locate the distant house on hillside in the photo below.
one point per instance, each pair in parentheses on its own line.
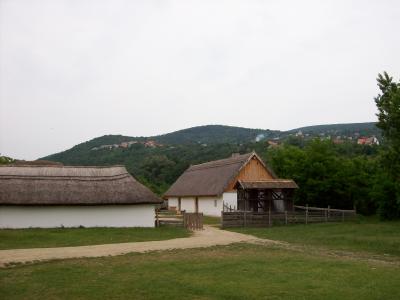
(338,141)
(55,196)
(299,133)
(368,141)
(242,182)
(272,144)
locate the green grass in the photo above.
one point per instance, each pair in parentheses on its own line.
(367,235)
(62,237)
(240,271)
(211,220)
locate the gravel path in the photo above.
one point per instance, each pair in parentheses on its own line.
(208,237)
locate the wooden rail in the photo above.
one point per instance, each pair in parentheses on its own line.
(168,218)
(192,221)
(303,214)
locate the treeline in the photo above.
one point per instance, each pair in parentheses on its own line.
(342,176)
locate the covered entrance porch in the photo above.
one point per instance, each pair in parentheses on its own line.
(275,195)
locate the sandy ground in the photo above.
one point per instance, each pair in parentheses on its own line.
(208,237)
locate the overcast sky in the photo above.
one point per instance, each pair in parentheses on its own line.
(74,70)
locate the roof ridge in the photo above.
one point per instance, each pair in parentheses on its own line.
(272,179)
(213,166)
(223,161)
(62,166)
(60,177)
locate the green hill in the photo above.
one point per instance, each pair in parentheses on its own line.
(160,164)
(211,134)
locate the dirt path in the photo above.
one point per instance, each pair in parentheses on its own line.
(208,237)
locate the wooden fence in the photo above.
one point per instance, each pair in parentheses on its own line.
(168,218)
(192,221)
(226,207)
(301,214)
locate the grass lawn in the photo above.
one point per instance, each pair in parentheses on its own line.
(367,235)
(61,237)
(240,271)
(212,220)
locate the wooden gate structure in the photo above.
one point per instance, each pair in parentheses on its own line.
(193,221)
(268,195)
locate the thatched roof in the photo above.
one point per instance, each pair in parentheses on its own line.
(269,184)
(39,162)
(211,178)
(62,185)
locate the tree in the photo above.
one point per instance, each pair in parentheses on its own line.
(387,190)
(326,175)
(388,104)
(156,172)
(4,160)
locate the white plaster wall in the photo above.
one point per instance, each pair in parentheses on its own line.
(210,206)
(230,198)
(206,204)
(74,216)
(188,204)
(173,202)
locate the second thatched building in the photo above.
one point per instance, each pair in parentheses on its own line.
(57,196)
(241,182)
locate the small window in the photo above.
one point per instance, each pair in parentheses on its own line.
(215,203)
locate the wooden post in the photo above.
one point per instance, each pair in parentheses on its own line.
(200,221)
(286,217)
(244,214)
(306,213)
(157,220)
(342,215)
(269,214)
(326,215)
(329,211)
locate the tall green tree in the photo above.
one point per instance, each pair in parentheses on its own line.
(387,187)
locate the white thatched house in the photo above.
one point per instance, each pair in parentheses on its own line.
(208,187)
(54,196)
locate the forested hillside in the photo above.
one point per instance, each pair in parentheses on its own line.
(363,129)
(211,134)
(328,173)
